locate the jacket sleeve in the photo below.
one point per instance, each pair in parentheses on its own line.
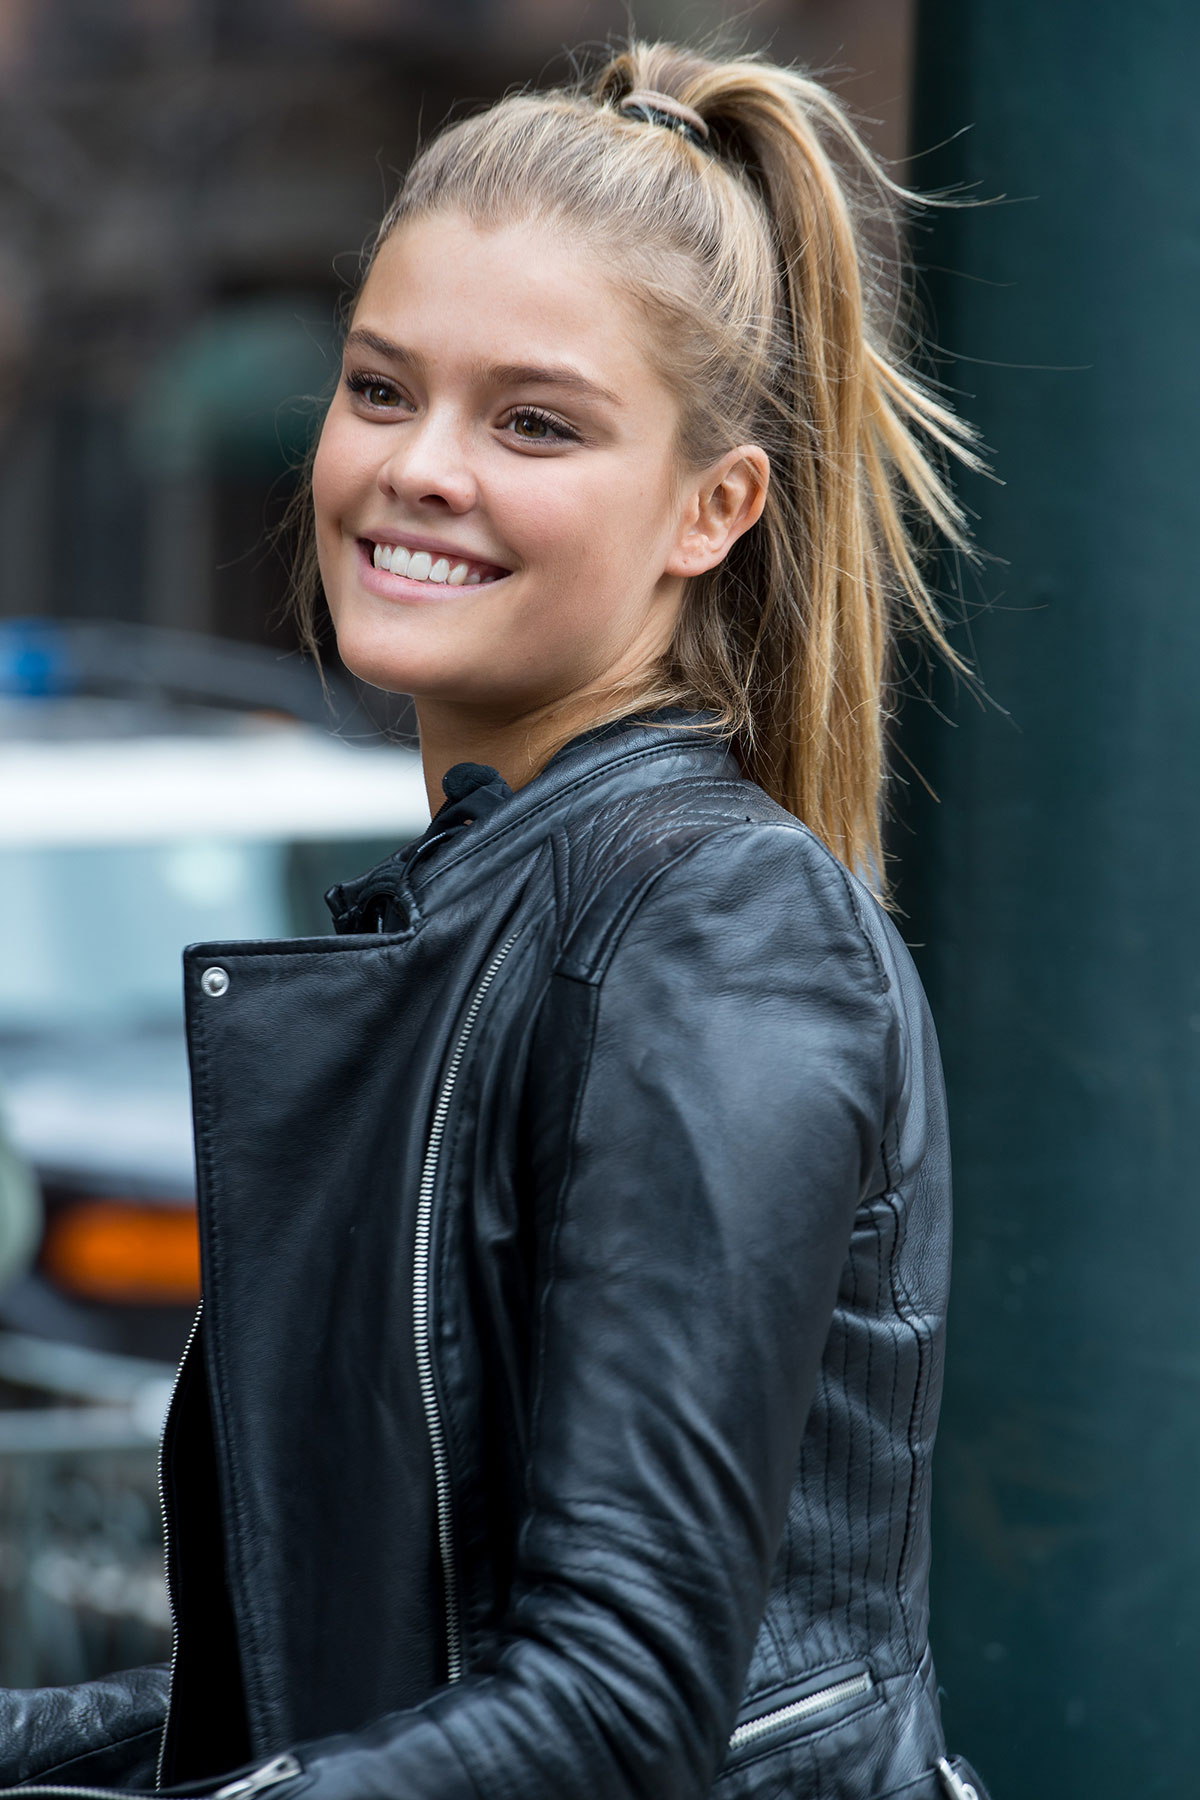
(96,1731)
(715,1079)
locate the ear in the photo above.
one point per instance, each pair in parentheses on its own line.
(719,505)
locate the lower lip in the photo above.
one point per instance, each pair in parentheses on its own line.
(397,587)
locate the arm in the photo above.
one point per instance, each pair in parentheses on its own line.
(718,1094)
(96,1731)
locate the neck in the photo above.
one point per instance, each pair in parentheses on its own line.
(519,748)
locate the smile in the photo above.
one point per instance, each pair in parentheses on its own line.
(421,565)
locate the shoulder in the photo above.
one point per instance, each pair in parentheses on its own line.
(724,975)
(723,947)
(722,860)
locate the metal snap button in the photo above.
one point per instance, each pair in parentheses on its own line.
(215,982)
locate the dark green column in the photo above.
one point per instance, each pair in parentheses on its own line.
(1055,891)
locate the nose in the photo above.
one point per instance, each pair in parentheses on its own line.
(428,464)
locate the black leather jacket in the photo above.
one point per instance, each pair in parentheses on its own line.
(606,1143)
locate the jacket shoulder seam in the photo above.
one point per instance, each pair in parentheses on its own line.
(556,798)
(620,897)
(631,885)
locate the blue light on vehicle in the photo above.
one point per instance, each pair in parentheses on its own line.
(34,661)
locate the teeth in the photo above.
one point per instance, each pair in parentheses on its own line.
(419,565)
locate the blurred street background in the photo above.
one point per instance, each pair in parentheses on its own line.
(185,189)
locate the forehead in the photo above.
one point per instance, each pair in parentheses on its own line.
(527,293)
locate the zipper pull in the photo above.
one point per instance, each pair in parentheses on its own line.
(955,1786)
(280,1768)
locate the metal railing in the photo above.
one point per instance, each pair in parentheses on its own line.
(81,1575)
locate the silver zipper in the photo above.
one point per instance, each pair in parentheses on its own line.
(952,1781)
(280,1768)
(162,1507)
(798,1710)
(424,1347)
(424,1352)
(80,1793)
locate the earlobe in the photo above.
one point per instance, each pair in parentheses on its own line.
(726,501)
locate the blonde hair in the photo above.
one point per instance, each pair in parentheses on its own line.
(756,258)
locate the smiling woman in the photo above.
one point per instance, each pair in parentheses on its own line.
(513,436)
(575,1224)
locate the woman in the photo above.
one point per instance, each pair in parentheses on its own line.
(575,1222)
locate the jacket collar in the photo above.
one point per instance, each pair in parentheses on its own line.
(483,814)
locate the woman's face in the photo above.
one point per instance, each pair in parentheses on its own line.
(500,438)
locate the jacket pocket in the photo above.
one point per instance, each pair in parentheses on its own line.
(772,1719)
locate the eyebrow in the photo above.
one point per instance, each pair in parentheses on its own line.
(558,375)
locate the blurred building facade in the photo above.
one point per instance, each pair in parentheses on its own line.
(185,187)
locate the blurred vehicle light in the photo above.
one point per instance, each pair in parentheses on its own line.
(118,1250)
(33,659)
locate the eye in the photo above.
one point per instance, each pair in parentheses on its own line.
(375,391)
(533,426)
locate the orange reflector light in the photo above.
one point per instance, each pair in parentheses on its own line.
(121,1250)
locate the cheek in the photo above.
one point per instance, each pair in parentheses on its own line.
(575,527)
(323,488)
(335,475)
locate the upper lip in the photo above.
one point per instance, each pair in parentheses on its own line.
(413,540)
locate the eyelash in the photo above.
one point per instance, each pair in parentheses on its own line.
(562,431)
(361,382)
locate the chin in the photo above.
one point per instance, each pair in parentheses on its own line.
(378,660)
(380,674)
(415,676)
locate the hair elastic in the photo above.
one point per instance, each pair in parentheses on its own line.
(661,109)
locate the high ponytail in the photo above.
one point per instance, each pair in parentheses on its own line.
(832,570)
(752,239)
